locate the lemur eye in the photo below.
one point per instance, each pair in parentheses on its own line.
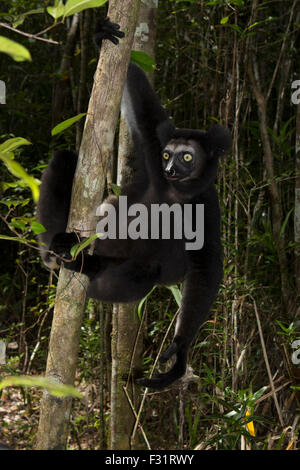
(187,157)
(166,155)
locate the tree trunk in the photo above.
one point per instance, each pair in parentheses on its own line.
(277,217)
(126,342)
(85,26)
(126,360)
(89,182)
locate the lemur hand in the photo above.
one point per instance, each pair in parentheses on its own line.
(107,30)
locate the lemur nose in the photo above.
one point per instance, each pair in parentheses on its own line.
(170,172)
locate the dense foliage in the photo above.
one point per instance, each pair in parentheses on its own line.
(217,61)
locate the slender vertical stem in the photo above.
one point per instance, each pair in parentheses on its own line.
(89,182)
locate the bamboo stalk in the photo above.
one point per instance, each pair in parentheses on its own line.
(267,362)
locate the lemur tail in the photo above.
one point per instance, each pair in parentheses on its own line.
(54,202)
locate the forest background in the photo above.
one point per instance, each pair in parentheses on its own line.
(236,63)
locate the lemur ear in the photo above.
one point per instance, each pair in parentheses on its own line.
(218,141)
(165,131)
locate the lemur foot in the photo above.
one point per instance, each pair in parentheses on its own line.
(62,243)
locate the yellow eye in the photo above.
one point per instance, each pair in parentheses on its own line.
(187,157)
(166,156)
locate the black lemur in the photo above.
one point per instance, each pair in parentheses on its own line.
(174,166)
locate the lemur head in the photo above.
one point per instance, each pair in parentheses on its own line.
(182,159)
(192,155)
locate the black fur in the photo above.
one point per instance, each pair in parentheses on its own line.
(125,270)
(107,30)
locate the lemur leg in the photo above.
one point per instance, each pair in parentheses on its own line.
(127,281)
(54,201)
(112,279)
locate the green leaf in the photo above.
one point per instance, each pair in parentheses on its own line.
(76,249)
(20,19)
(17,170)
(252,25)
(224,20)
(176,293)
(14,239)
(18,224)
(238,3)
(258,394)
(75,6)
(56,11)
(143,60)
(15,202)
(18,52)
(282,229)
(53,387)
(11,145)
(284,328)
(37,228)
(65,124)
(236,28)
(143,301)
(116,189)
(5,185)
